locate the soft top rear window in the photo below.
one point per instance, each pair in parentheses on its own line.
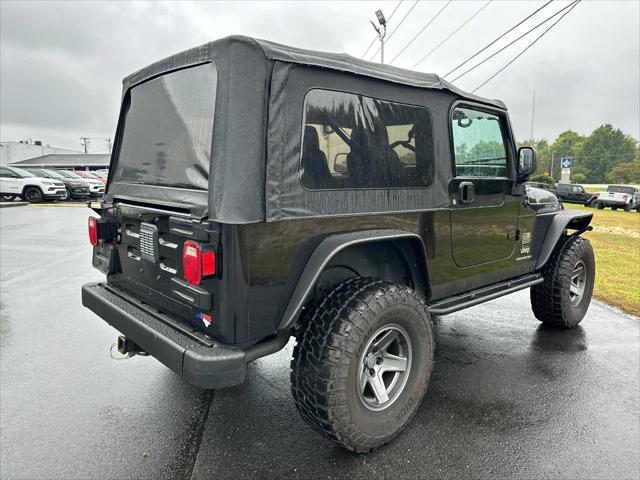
(167,130)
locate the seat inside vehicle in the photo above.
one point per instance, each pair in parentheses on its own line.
(314,162)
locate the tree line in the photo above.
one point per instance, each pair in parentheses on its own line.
(608,155)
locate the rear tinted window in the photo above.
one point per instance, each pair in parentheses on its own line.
(168,128)
(353,141)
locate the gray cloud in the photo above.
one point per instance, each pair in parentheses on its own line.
(62,63)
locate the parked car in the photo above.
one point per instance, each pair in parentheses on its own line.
(15,182)
(572,193)
(75,189)
(619,196)
(96,187)
(91,175)
(541,185)
(250,234)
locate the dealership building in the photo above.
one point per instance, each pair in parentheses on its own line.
(78,161)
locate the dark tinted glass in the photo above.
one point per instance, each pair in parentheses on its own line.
(353,141)
(168,129)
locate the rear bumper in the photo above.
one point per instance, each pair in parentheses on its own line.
(199,360)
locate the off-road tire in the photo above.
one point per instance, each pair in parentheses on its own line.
(551,301)
(33,195)
(327,357)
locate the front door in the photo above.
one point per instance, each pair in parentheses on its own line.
(9,182)
(484,214)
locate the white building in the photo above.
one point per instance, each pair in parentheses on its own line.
(11,152)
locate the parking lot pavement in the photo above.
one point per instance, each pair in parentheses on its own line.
(507,398)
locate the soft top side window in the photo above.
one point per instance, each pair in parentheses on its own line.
(353,141)
(479,145)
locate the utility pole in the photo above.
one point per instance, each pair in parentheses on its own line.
(109,144)
(85,141)
(381,31)
(533,111)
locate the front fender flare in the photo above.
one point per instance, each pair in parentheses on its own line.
(321,257)
(551,227)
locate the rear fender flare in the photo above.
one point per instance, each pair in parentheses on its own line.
(321,256)
(551,228)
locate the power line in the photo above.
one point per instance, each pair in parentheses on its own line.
(420,32)
(376,37)
(452,34)
(528,46)
(513,41)
(398,26)
(505,33)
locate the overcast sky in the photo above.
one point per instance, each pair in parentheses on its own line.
(62,63)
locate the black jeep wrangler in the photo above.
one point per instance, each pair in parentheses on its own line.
(258,192)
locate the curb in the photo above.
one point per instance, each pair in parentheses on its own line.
(13,204)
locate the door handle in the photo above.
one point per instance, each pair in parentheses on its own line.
(466,192)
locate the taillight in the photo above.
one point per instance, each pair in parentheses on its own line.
(93,231)
(101,230)
(197,262)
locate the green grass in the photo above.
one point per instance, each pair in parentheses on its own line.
(616,242)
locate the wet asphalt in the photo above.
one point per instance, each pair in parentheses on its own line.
(508,398)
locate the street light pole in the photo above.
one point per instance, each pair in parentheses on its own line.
(382,32)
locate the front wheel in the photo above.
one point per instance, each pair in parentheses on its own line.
(627,207)
(599,206)
(33,195)
(67,195)
(363,362)
(563,298)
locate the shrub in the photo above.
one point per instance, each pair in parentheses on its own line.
(543,179)
(578,178)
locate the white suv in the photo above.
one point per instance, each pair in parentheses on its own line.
(20,183)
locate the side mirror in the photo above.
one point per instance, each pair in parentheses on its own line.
(527,161)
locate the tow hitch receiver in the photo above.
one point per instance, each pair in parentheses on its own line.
(128,347)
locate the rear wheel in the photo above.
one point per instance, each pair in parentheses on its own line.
(564,297)
(614,208)
(33,195)
(362,363)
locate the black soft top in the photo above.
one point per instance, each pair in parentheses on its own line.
(277,52)
(257,132)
